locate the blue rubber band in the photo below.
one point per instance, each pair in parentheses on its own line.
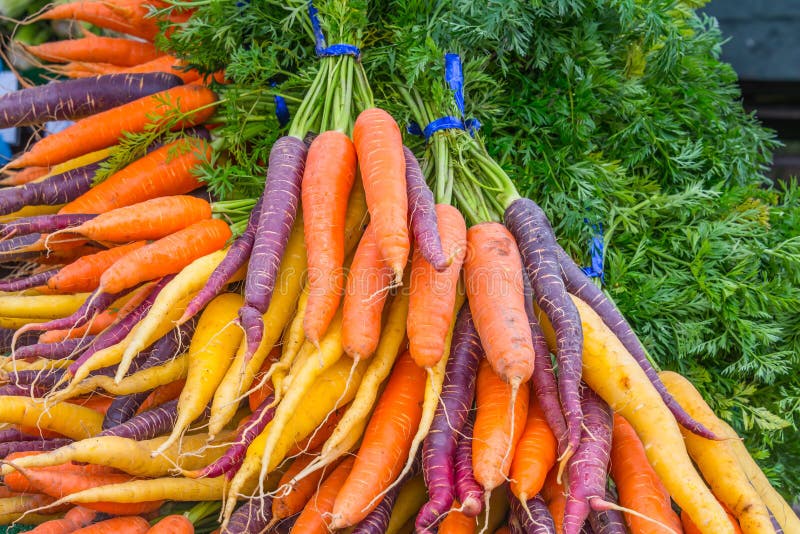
(281,108)
(320,45)
(596,253)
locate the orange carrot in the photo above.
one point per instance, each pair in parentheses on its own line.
(62,257)
(169,64)
(493,275)
(535,454)
(74,519)
(496,434)
(96,49)
(99,323)
(166,256)
(292,498)
(386,443)
(84,274)
(15,481)
(315,517)
(432,294)
(162,394)
(173,524)
(255,398)
(690,528)
(379,146)
(321,434)
(165,63)
(455,522)
(556,498)
(367,287)
(327,179)
(163,172)
(104,129)
(120,16)
(117,525)
(637,483)
(505,529)
(98,403)
(25,176)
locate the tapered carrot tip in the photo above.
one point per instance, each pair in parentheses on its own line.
(471,507)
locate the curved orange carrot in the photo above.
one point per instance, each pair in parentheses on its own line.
(255,398)
(98,403)
(690,528)
(495,435)
(84,274)
(386,443)
(164,63)
(455,522)
(74,519)
(328,177)
(104,129)
(379,146)
(368,284)
(433,293)
(118,525)
(162,395)
(638,485)
(315,517)
(535,454)
(25,176)
(292,498)
(173,524)
(96,325)
(96,49)
(493,275)
(129,17)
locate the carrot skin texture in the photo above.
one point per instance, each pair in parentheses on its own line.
(43,224)
(314,519)
(43,103)
(275,221)
(252,516)
(117,51)
(93,305)
(377,520)
(379,146)
(119,525)
(84,273)
(579,285)
(57,189)
(537,244)
(690,528)
(609,521)
(147,425)
(538,522)
(535,454)
(328,178)
(468,492)
(74,519)
(173,524)
(38,445)
(27,282)
(439,446)
(424,221)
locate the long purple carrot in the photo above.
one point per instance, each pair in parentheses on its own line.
(58,189)
(230,462)
(535,520)
(610,521)
(27,282)
(582,287)
(377,520)
(12,434)
(278,211)
(7,339)
(54,351)
(8,246)
(237,255)
(537,244)
(13,390)
(438,448)
(588,467)
(36,445)
(75,99)
(28,377)
(117,331)
(43,224)
(422,207)
(251,517)
(147,425)
(468,492)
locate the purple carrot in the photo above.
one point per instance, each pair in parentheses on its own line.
(27,282)
(7,339)
(230,462)
(251,517)
(12,434)
(58,189)
(13,390)
(12,244)
(535,520)
(275,220)
(237,255)
(43,224)
(36,445)
(378,519)
(54,351)
(97,302)
(610,521)
(588,467)
(422,207)
(438,448)
(123,408)
(28,377)
(117,331)
(468,492)
(537,245)
(75,99)
(582,287)
(149,424)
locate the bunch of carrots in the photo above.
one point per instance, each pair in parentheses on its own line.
(368,355)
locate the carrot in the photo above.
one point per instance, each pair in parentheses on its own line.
(497,430)
(433,293)
(255,398)
(173,524)
(291,497)
(166,256)
(690,528)
(455,522)
(163,172)
(118,525)
(95,325)
(535,454)
(386,443)
(379,146)
(556,498)
(327,180)
(74,519)
(637,483)
(166,63)
(84,273)
(104,129)
(367,288)
(162,395)
(320,434)
(98,403)
(93,48)
(58,417)
(123,17)
(315,517)
(25,176)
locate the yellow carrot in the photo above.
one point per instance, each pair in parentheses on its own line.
(41,306)
(66,419)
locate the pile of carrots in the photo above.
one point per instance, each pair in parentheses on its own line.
(361,358)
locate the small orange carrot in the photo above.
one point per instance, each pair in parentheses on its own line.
(162,394)
(173,524)
(166,256)
(74,519)
(368,285)
(315,517)
(96,49)
(291,498)
(163,172)
(432,294)
(379,146)
(120,16)
(25,176)
(169,64)
(386,443)
(117,525)
(327,179)
(455,522)
(535,454)
(690,528)
(255,398)
(496,434)
(556,498)
(84,274)
(104,129)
